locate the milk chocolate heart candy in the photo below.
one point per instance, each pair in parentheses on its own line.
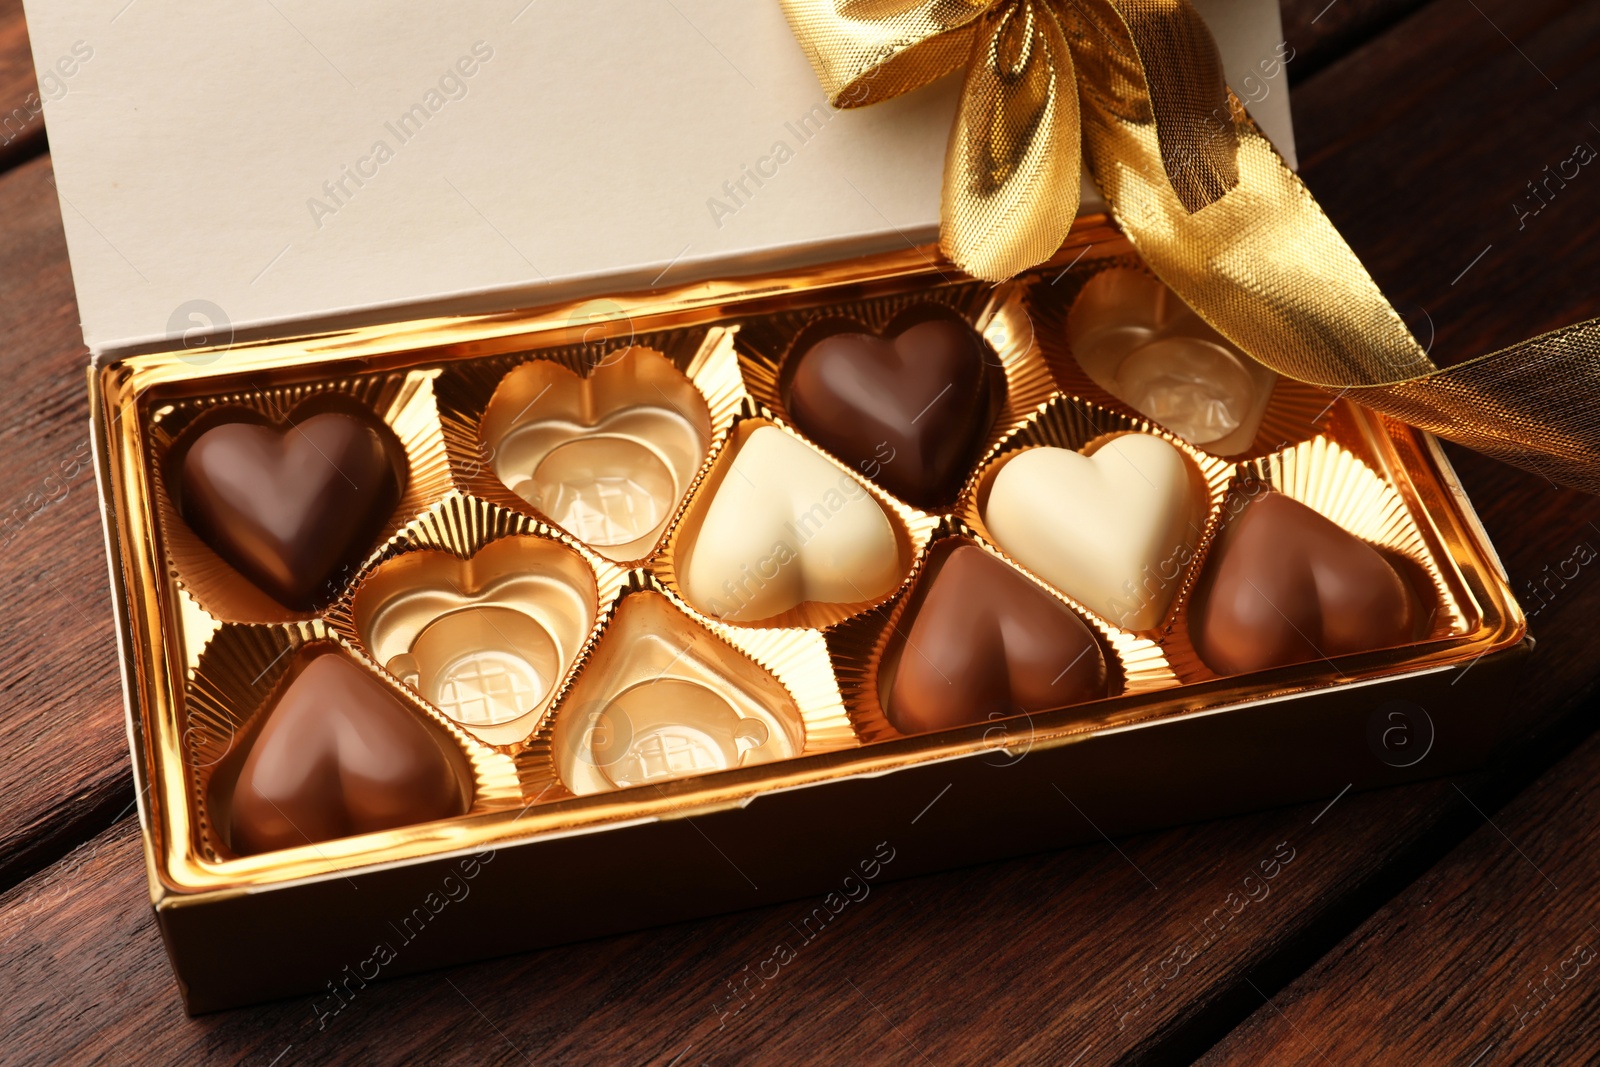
(339,755)
(786,527)
(291,506)
(981,642)
(1287,586)
(1113,530)
(910,411)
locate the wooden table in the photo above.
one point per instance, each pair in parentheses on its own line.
(1445,922)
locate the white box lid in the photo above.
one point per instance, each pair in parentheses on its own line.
(225,158)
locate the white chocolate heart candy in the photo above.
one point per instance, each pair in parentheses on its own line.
(786,527)
(1113,530)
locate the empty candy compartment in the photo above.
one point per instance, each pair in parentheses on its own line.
(488,639)
(606,457)
(1139,342)
(661,698)
(1112,333)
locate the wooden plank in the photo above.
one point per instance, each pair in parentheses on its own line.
(63,750)
(21,110)
(1320,31)
(1490,958)
(1421,147)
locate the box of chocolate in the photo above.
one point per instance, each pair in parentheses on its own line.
(450,632)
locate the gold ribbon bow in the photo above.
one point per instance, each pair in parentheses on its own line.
(1011,170)
(1202,195)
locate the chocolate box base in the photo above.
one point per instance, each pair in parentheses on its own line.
(324,939)
(245,930)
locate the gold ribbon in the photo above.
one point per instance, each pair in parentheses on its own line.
(1202,195)
(1011,170)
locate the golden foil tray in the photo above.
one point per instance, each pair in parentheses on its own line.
(527,595)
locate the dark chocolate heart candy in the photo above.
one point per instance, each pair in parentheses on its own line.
(910,412)
(982,641)
(290,507)
(337,755)
(1285,585)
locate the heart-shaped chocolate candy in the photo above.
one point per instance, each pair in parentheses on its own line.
(785,527)
(291,506)
(982,642)
(337,755)
(1285,585)
(1114,530)
(910,410)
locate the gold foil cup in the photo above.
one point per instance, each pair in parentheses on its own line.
(601,439)
(663,698)
(1337,484)
(1134,664)
(239,678)
(483,612)
(404,402)
(910,528)
(605,457)
(1097,297)
(1078,426)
